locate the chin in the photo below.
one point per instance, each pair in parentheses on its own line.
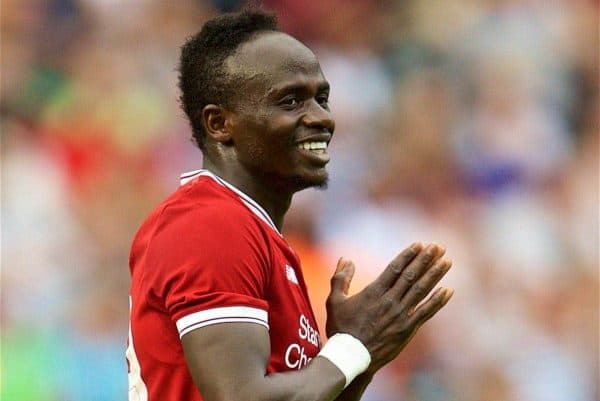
(322,184)
(318,181)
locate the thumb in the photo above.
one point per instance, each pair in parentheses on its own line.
(340,282)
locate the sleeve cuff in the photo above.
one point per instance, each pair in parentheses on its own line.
(227,314)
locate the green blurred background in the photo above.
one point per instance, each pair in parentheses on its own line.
(473,123)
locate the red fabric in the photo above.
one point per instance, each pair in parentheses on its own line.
(203,249)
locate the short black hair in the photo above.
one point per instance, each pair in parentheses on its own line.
(202,76)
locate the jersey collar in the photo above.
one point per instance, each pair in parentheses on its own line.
(250,203)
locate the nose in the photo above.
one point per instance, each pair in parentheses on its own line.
(318,117)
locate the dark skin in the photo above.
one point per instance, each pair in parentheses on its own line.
(254,146)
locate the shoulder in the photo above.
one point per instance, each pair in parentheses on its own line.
(203,198)
(200,220)
(198,246)
(200,208)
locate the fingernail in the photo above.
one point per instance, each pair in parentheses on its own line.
(340,265)
(430,249)
(416,247)
(448,294)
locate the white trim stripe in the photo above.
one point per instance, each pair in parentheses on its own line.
(226,314)
(249,202)
(137,388)
(189,176)
(224,320)
(246,200)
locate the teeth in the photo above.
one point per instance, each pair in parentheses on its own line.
(313,145)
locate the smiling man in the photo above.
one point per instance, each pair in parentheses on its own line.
(219,307)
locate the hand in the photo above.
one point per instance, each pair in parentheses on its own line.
(386,314)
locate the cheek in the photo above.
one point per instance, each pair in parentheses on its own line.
(259,146)
(267,142)
(283,125)
(274,133)
(282,134)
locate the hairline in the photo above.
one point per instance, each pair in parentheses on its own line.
(239,71)
(227,61)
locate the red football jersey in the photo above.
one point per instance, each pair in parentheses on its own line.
(207,255)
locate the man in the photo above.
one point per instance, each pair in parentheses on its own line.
(219,309)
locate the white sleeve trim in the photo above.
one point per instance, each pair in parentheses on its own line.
(227,314)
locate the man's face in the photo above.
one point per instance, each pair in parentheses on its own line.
(282,123)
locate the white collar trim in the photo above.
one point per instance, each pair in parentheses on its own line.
(246,200)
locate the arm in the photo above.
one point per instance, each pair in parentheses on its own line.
(228,361)
(237,368)
(356,389)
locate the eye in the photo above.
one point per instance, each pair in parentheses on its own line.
(323,99)
(289,102)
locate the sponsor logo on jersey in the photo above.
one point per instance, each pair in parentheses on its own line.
(295,354)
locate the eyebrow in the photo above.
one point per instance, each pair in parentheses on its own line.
(296,87)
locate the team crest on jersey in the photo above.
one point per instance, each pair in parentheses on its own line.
(291,274)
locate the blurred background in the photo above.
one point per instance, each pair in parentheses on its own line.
(472,123)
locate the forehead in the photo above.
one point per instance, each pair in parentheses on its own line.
(274,58)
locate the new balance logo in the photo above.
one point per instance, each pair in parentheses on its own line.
(291,274)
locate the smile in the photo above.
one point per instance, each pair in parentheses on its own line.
(317,147)
(315,151)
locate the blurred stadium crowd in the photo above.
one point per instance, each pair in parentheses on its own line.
(472,123)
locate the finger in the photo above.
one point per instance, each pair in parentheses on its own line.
(349,269)
(389,276)
(340,281)
(430,307)
(418,291)
(340,265)
(411,274)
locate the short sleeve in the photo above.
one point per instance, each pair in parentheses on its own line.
(207,266)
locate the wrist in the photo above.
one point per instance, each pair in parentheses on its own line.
(348,354)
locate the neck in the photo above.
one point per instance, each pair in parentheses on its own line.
(260,188)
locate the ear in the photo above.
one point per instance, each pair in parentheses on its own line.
(217,123)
